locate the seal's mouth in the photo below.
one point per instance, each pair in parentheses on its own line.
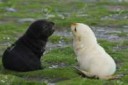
(52,26)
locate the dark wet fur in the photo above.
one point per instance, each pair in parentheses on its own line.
(25,53)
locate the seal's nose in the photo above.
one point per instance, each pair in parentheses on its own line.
(52,23)
(73,25)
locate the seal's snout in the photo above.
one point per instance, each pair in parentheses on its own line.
(52,23)
(73,24)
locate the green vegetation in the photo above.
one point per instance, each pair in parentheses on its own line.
(66,12)
(58,63)
(56,39)
(64,73)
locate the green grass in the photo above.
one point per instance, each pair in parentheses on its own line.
(14,80)
(65,72)
(59,56)
(63,14)
(123,34)
(56,39)
(64,55)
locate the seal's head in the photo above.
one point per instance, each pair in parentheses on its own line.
(82,31)
(41,29)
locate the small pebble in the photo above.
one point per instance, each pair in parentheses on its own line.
(10,9)
(26,20)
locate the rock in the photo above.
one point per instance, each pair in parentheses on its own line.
(10,9)
(48,16)
(113,37)
(26,20)
(61,16)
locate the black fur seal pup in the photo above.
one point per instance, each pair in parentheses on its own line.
(24,55)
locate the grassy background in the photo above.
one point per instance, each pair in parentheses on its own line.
(58,63)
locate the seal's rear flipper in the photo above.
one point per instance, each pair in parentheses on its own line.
(113,77)
(84,73)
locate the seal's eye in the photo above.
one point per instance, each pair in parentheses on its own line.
(75,29)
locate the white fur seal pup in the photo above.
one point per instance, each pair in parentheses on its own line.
(92,58)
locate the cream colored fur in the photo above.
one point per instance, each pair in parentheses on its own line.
(92,58)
